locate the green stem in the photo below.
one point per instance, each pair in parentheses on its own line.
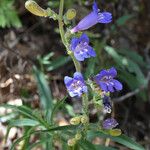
(62,34)
(60,22)
(76,63)
(85,104)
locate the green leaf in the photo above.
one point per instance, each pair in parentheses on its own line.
(126,62)
(134,56)
(69,110)
(40,142)
(123,19)
(90,67)
(56,107)
(8,15)
(7,117)
(62,60)
(133,82)
(122,139)
(23,122)
(27,112)
(44,91)
(25,137)
(86,145)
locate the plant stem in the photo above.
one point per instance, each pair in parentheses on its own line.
(62,34)
(85,104)
(60,22)
(76,63)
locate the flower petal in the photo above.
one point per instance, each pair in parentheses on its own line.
(68,80)
(84,38)
(104,17)
(113,72)
(103,73)
(91,51)
(109,123)
(74,43)
(84,89)
(87,22)
(110,88)
(78,56)
(118,86)
(103,86)
(72,94)
(78,76)
(95,8)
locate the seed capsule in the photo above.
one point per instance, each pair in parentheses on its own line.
(115,132)
(71,13)
(35,9)
(78,136)
(75,120)
(84,119)
(71,142)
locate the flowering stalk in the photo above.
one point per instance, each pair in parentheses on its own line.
(79,49)
(76,63)
(85,104)
(62,34)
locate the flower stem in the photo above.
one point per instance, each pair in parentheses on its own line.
(85,104)
(62,34)
(76,63)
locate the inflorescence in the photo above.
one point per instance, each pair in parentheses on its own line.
(104,82)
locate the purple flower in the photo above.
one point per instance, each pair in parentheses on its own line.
(107,104)
(76,85)
(93,18)
(105,79)
(109,123)
(81,49)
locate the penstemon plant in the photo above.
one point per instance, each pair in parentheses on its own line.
(81,132)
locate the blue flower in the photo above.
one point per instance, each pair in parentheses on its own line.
(107,104)
(76,85)
(109,123)
(93,18)
(81,49)
(105,79)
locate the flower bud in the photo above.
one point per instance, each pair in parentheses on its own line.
(78,136)
(35,9)
(70,14)
(71,142)
(84,119)
(75,120)
(115,132)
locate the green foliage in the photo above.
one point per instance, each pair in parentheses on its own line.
(130,70)
(86,145)
(8,15)
(45,93)
(51,64)
(122,139)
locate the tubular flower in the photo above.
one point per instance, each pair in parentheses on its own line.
(76,85)
(93,18)
(105,79)
(109,123)
(107,104)
(81,49)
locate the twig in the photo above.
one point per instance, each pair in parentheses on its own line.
(136,91)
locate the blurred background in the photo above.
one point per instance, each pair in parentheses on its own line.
(27,40)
